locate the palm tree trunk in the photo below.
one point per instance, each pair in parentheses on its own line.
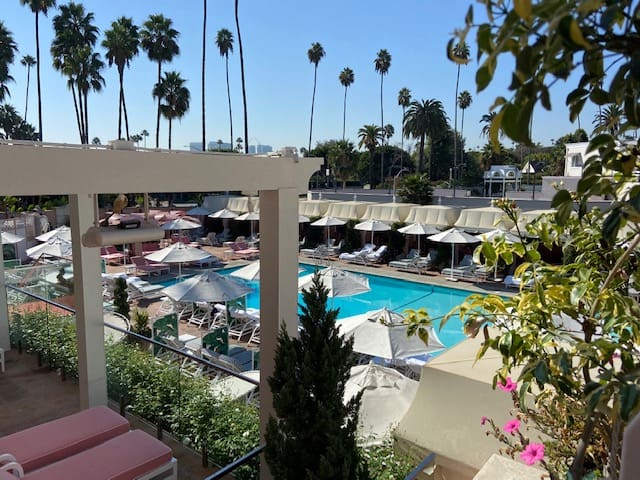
(158,111)
(126,117)
(313,101)
(204,55)
(77,110)
(38,75)
(462,138)
(85,94)
(169,133)
(26,101)
(244,93)
(120,102)
(383,134)
(344,112)
(402,139)
(455,132)
(372,151)
(229,99)
(421,155)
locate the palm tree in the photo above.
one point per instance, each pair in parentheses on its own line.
(369,136)
(464,102)
(609,120)
(121,42)
(382,64)
(244,92)
(239,143)
(204,58)
(315,54)
(460,55)
(158,39)
(346,78)
(224,41)
(8,49)
(173,97)
(73,56)
(144,134)
(404,100)
(27,61)
(487,119)
(37,7)
(425,119)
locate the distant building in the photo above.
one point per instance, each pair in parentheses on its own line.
(211,146)
(260,148)
(503,176)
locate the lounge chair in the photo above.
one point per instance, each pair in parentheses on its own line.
(149,268)
(138,288)
(377,256)
(320,252)
(50,442)
(357,254)
(465,269)
(112,255)
(201,315)
(132,455)
(210,261)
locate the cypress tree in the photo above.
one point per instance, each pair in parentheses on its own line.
(121,297)
(314,433)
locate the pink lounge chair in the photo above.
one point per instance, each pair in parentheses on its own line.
(112,255)
(134,455)
(50,442)
(145,266)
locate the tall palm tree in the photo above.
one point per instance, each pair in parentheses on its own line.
(27,61)
(346,78)
(244,91)
(224,41)
(382,64)
(464,102)
(158,39)
(204,58)
(144,133)
(8,49)
(173,97)
(460,55)
(424,119)
(609,120)
(315,54)
(369,136)
(121,43)
(37,7)
(404,100)
(73,56)
(487,119)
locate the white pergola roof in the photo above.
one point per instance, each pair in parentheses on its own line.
(483,220)
(388,212)
(353,210)
(438,216)
(313,208)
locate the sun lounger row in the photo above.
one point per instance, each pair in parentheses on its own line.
(96,443)
(414,262)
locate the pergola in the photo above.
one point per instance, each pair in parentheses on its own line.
(82,172)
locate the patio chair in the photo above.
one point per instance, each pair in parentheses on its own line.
(111,255)
(464,270)
(201,315)
(366,250)
(377,256)
(138,289)
(146,267)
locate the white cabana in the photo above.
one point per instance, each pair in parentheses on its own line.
(388,212)
(478,220)
(243,204)
(313,208)
(353,210)
(529,216)
(438,216)
(504,176)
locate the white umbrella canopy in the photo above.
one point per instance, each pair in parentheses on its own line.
(63,233)
(52,248)
(9,238)
(201,211)
(386,397)
(224,213)
(207,287)
(453,236)
(498,233)
(419,229)
(339,282)
(251,217)
(181,224)
(383,333)
(303,219)
(328,222)
(250,272)
(178,253)
(373,226)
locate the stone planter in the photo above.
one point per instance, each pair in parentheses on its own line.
(122,145)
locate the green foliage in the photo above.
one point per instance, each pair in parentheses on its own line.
(385,463)
(140,322)
(314,433)
(396,240)
(416,188)
(120,297)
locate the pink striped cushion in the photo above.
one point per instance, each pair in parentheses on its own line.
(49,442)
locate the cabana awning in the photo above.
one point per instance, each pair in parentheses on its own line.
(438,216)
(478,220)
(353,210)
(243,204)
(313,208)
(388,212)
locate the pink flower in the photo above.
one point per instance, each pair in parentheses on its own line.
(512,426)
(509,386)
(483,420)
(533,453)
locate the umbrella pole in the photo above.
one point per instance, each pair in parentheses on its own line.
(419,252)
(453,251)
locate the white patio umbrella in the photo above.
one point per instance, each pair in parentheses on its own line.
(207,287)
(383,333)
(453,236)
(339,282)
(62,232)
(224,213)
(303,219)
(373,226)
(250,272)
(178,253)
(198,211)
(328,222)
(251,217)
(9,238)
(419,229)
(386,397)
(55,247)
(180,224)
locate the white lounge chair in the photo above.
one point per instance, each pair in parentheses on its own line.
(201,315)
(358,254)
(377,256)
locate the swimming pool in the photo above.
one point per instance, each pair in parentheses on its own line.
(394,294)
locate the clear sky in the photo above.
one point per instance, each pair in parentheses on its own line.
(276,36)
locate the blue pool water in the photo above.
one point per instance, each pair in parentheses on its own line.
(396,295)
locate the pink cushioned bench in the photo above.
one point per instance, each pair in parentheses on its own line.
(43,444)
(134,455)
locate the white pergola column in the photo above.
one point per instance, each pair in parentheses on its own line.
(89,315)
(5,344)
(278,287)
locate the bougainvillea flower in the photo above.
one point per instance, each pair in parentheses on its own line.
(483,420)
(508,386)
(512,425)
(534,452)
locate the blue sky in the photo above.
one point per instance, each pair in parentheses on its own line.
(276,37)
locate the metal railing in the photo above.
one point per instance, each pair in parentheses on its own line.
(413,474)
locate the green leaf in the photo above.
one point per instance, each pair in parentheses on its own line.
(483,78)
(600,96)
(628,400)
(563,204)
(599,141)
(541,372)
(577,293)
(611,225)
(523,9)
